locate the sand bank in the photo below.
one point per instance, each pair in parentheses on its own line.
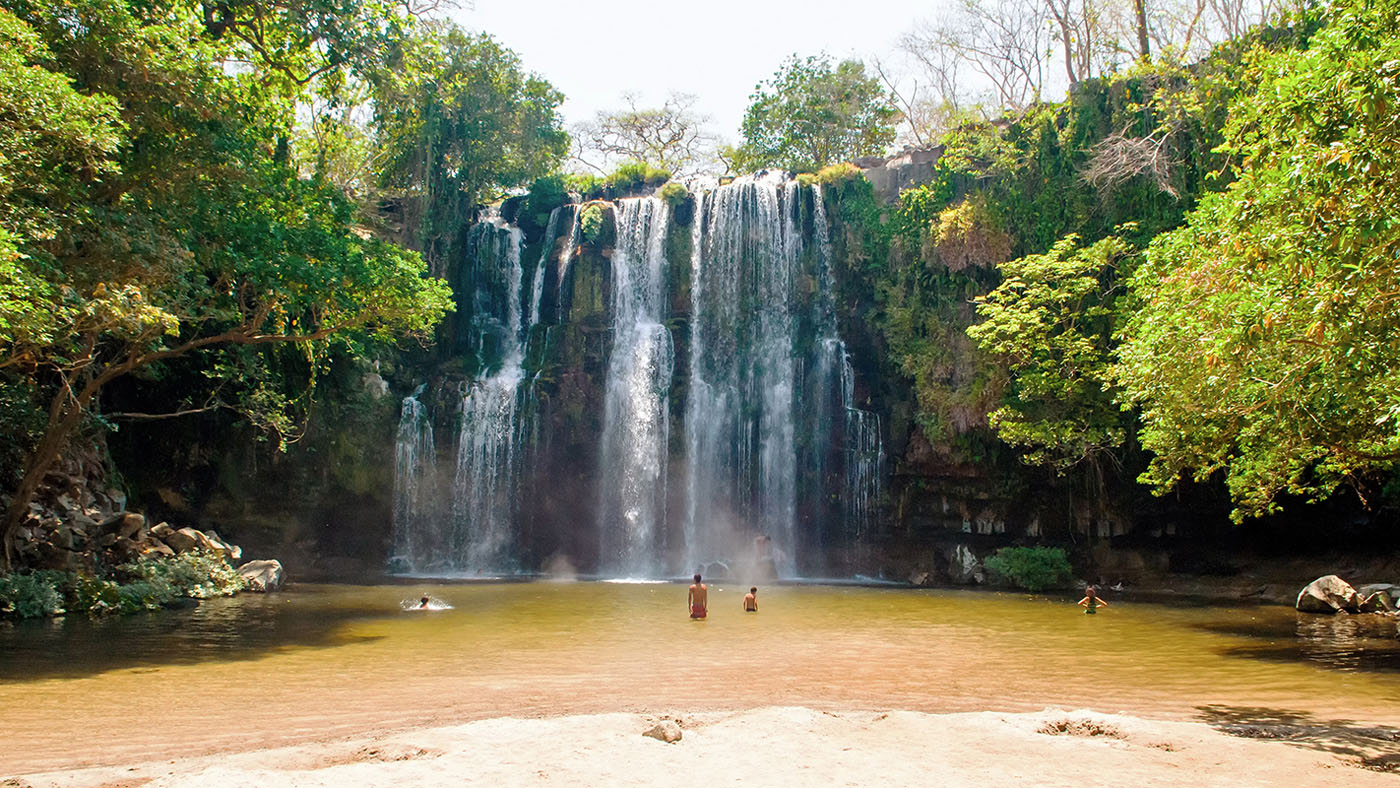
(785,746)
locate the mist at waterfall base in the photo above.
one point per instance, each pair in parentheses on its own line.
(673,396)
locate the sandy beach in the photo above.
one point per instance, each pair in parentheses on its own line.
(784,746)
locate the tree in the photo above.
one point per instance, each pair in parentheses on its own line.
(671,137)
(811,114)
(1267,348)
(184,227)
(1002,41)
(458,116)
(1052,321)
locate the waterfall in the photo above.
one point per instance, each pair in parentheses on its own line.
(864,457)
(413,459)
(740,431)
(774,442)
(636,421)
(537,282)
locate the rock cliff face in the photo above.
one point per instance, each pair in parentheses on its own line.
(636,387)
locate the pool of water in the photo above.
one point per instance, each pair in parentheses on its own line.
(327,660)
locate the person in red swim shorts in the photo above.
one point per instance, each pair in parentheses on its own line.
(698,598)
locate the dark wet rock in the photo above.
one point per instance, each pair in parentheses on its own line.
(1328,594)
(964,568)
(1378,597)
(666,730)
(263,576)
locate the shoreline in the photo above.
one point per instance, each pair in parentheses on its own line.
(785,745)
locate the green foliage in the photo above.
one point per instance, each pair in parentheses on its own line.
(545,195)
(149,583)
(181,224)
(30,595)
(634,175)
(591,222)
(811,115)
(197,575)
(1051,322)
(1032,568)
(458,117)
(674,193)
(1268,345)
(839,173)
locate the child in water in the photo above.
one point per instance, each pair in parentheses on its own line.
(1091,601)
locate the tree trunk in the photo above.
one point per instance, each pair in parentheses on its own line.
(55,438)
(1140,8)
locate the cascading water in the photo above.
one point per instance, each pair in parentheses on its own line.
(636,422)
(740,435)
(413,467)
(775,445)
(864,459)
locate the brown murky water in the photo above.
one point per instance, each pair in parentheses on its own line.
(326,661)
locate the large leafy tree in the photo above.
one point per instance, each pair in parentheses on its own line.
(457,117)
(1051,321)
(1268,346)
(812,114)
(151,209)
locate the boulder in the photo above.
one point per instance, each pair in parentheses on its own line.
(1328,594)
(130,525)
(231,553)
(263,575)
(154,547)
(183,540)
(963,566)
(917,578)
(666,730)
(1378,597)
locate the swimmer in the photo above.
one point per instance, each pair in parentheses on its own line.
(698,598)
(1091,600)
(423,603)
(751,600)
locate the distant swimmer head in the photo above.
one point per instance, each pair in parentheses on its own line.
(753,590)
(424,601)
(697,577)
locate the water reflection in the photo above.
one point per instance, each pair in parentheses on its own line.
(246,627)
(1367,642)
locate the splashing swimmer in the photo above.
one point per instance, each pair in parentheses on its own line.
(423,603)
(1091,601)
(698,598)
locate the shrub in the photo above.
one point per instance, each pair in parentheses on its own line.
(838,173)
(591,222)
(197,574)
(31,595)
(545,195)
(1031,568)
(634,175)
(674,193)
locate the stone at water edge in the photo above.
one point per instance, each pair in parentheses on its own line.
(666,730)
(1378,597)
(1328,594)
(263,576)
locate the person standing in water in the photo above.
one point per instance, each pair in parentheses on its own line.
(751,600)
(698,599)
(1091,601)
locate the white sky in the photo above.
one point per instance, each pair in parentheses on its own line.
(717,50)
